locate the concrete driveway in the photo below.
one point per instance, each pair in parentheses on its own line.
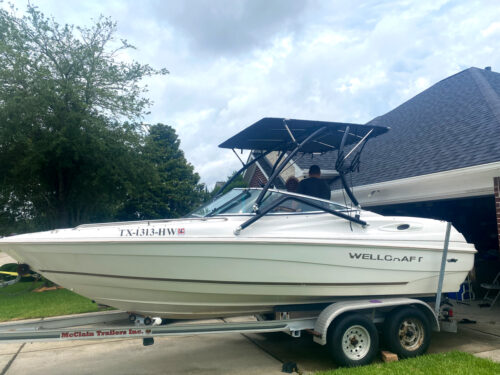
(4,258)
(222,354)
(227,354)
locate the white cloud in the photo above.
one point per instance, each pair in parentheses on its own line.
(492,29)
(234,62)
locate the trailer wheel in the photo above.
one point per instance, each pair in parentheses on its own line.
(407,332)
(353,341)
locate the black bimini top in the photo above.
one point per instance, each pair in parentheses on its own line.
(271,134)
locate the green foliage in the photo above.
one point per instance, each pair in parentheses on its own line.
(438,364)
(237,183)
(72,148)
(172,187)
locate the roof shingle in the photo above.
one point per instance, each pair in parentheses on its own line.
(453,124)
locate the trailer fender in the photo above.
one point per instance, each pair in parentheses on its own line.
(328,315)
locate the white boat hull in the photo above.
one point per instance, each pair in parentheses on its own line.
(193,274)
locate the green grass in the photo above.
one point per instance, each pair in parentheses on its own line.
(19,302)
(451,363)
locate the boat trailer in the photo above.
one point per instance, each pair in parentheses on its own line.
(113,324)
(325,325)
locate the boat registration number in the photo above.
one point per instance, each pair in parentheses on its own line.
(152,232)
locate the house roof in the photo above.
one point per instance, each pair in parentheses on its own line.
(453,124)
(268,170)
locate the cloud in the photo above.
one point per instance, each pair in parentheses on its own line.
(234,62)
(220,27)
(492,29)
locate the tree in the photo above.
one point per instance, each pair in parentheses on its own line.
(173,187)
(66,153)
(237,183)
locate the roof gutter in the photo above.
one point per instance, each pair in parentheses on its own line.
(457,183)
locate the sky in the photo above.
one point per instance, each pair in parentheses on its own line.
(233,62)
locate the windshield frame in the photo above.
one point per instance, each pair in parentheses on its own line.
(214,212)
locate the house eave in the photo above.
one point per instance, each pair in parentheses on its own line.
(458,183)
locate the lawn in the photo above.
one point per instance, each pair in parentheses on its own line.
(18,301)
(433,364)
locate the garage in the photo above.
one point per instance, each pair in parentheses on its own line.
(474,217)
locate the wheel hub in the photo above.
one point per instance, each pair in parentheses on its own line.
(411,334)
(356,342)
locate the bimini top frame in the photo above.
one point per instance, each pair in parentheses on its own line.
(288,136)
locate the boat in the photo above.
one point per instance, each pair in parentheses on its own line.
(254,250)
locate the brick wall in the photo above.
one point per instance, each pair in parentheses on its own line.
(258,178)
(497,204)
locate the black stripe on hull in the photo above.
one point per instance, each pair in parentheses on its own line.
(217,281)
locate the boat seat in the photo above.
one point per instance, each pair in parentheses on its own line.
(493,291)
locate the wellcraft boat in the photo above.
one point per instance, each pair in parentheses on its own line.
(252,250)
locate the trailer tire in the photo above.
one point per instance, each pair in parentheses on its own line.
(407,332)
(353,340)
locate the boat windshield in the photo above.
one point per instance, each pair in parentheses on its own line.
(241,201)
